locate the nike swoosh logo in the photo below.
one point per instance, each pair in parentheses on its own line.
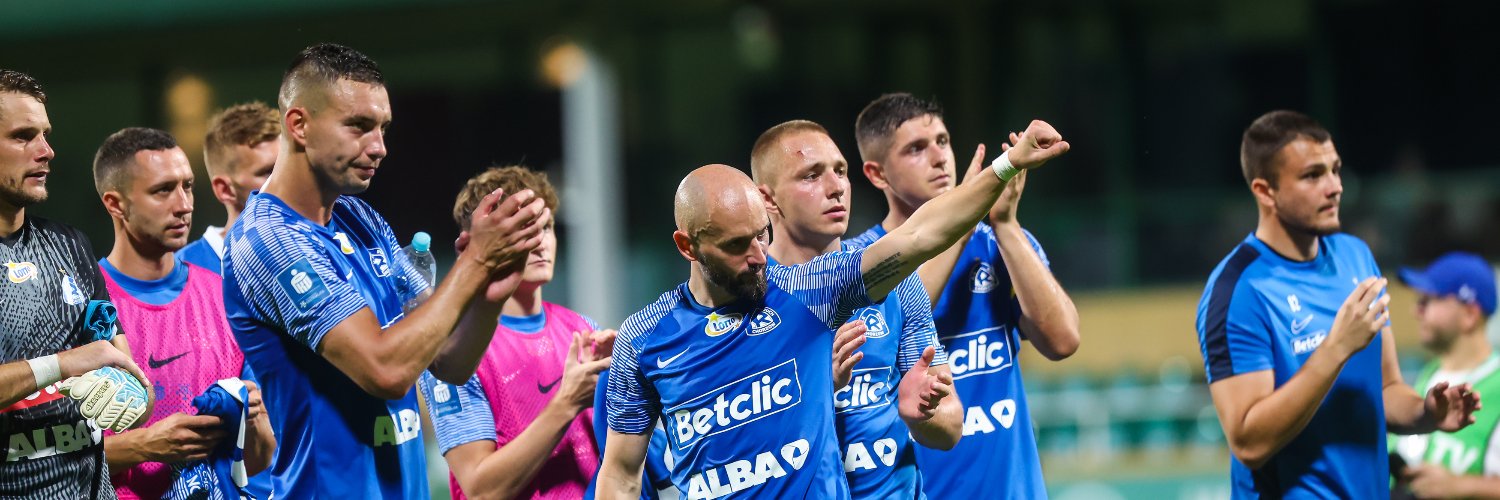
(662,363)
(548,388)
(158,363)
(1297,326)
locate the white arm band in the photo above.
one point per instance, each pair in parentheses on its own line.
(46,370)
(1002,167)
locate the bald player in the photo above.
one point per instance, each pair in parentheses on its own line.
(314,283)
(736,360)
(805,181)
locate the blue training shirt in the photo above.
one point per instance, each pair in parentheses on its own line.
(978,324)
(287,282)
(1261,311)
(880,460)
(744,390)
(201,254)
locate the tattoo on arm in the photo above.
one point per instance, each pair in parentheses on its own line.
(885,271)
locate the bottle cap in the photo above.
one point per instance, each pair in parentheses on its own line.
(421,242)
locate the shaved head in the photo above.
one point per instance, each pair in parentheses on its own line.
(715,197)
(723,229)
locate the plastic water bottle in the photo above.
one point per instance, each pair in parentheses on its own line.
(420,253)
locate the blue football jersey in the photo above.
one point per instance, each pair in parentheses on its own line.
(977,322)
(1262,311)
(287,282)
(744,391)
(880,458)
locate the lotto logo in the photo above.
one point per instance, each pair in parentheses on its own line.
(978,352)
(868,388)
(737,403)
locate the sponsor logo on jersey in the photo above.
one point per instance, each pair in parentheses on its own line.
(397,428)
(379,262)
(875,325)
(444,402)
(344,245)
(71,293)
(979,352)
(302,284)
(1309,343)
(983,278)
(981,420)
(764,321)
(743,474)
(868,388)
(50,441)
(20,272)
(737,403)
(719,324)
(45,395)
(1294,304)
(861,456)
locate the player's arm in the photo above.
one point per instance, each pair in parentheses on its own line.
(1259,418)
(484,471)
(260,439)
(387,363)
(622,467)
(935,272)
(942,221)
(1446,407)
(18,379)
(1048,317)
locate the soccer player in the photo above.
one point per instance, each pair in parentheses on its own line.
(522,426)
(1290,325)
(1456,293)
(805,181)
(175,309)
(999,291)
(314,282)
(239,151)
(737,360)
(52,450)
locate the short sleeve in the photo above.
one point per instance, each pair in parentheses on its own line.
(288,281)
(460,414)
(632,406)
(1233,334)
(917,330)
(832,285)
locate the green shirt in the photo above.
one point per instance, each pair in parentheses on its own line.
(1472,451)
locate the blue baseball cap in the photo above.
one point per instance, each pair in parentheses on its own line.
(1459,274)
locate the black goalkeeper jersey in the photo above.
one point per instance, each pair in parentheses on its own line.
(50,276)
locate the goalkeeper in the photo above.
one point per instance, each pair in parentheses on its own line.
(53,451)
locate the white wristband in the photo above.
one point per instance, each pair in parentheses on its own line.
(1002,167)
(46,370)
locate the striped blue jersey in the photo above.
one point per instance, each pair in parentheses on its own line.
(978,320)
(880,458)
(287,282)
(1262,311)
(744,390)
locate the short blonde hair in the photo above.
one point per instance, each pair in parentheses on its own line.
(512,178)
(245,124)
